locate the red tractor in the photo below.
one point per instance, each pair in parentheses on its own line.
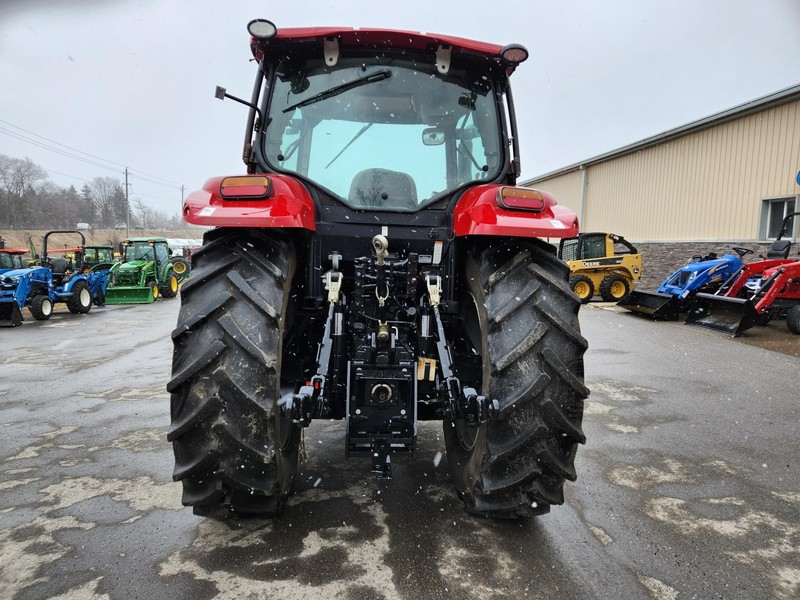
(377,264)
(756,293)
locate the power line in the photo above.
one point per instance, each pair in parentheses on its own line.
(56,150)
(142,174)
(60,144)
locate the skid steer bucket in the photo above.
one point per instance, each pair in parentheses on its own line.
(10,314)
(657,306)
(728,315)
(125,294)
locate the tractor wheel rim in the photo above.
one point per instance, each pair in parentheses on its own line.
(85,297)
(582,290)
(173,284)
(179,267)
(155,292)
(47,307)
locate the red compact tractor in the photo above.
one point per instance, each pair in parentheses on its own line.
(376,264)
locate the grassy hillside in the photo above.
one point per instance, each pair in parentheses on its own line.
(19,239)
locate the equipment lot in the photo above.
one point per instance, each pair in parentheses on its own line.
(688,485)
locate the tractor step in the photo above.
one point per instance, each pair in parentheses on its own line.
(720,313)
(655,305)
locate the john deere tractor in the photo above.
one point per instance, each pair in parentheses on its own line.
(145,273)
(376,264)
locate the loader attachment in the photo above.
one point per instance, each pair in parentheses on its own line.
(128,294)
(655,305)
(10,314)
(720,313)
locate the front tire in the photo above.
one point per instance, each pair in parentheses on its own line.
(614,288)
(234,451)
(80,302)
(41,307)
(583,287)
(523,321)
(793,319)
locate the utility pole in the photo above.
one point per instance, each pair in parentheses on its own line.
(127,208)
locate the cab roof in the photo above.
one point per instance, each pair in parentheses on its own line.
(376,38)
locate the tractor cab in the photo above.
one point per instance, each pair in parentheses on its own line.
(11,259)
(92,256)
(339,113)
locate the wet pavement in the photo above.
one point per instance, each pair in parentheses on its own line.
(688,485)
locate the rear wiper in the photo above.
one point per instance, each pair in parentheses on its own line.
(339,89)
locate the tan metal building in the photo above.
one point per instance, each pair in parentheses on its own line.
(726,177)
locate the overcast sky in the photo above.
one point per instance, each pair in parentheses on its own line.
(131,82)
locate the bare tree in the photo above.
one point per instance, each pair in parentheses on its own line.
(105,193)
(20,182)
(142,211)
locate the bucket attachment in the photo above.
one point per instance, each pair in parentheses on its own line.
(10,314)
(125,294)
(657,306)
(728,315)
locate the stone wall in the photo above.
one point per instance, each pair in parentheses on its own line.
(662,258)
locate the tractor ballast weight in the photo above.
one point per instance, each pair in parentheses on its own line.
(675,294)
(377,264)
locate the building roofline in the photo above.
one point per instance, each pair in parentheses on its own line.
(769,101)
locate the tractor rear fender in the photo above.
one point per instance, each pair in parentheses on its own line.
(483,210)
(67,288)
(283,202)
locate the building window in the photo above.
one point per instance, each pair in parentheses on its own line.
(773,212)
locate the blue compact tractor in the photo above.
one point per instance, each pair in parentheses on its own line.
(41,286)
(676,293)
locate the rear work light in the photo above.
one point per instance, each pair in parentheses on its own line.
(514,53)
(515,198)
(253,187)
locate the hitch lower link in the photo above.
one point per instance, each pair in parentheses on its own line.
(462,402)
(310,400)
(465,403)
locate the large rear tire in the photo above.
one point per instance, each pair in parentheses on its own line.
(180,265)
(522,319)
(234,452)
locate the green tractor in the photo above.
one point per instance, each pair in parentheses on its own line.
(146,272)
